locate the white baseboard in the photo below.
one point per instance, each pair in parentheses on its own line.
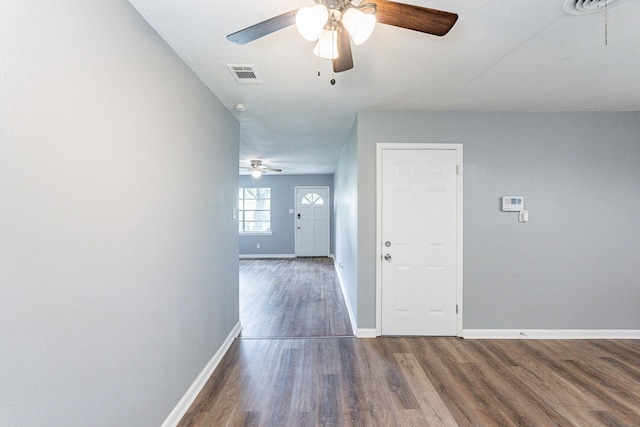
(352,318)
(360,333)
(565,334)
(267,256)
(366,333)
(183,405)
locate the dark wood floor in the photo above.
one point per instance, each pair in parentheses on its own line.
(422,382)
(298,297)
(388,382)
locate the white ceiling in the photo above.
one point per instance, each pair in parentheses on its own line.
(502,55)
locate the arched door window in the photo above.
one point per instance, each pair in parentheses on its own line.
(312,199)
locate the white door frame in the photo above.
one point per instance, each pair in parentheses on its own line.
(295,222)
(418,146)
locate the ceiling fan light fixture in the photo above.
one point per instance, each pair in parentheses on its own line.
(360,25)
(311,20)
(327,46)
(256,173)
(323,22)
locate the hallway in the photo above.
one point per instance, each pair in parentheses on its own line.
(291,298)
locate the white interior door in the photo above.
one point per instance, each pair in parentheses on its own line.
(419,242)
(312,221)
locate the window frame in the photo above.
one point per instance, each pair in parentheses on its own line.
(241,212)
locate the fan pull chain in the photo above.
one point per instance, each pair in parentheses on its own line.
(606,24)
(333,52)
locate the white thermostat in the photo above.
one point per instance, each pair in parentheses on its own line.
(512,203)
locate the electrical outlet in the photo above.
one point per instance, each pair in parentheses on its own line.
(258,246)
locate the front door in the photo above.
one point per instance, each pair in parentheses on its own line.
(419,225)
(312,221)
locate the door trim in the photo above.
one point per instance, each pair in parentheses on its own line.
(295,223)
(380,147)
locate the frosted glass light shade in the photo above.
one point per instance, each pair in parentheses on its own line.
(310,21)
(360,25)
(256,173)
(327,46)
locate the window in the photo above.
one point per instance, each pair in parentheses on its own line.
(312,199)
(254,207)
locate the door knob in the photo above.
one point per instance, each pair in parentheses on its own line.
(387,257)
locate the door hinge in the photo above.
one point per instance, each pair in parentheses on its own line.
(456,308)
(457,169)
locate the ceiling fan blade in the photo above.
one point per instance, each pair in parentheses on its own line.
(271,169)
(425,20)
(344,61)
(263,28)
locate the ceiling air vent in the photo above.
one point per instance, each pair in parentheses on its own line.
(244,74)
(585,7)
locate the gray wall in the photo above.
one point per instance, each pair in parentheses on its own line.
(575,264)
(346,219)
(282,239)
(118,175)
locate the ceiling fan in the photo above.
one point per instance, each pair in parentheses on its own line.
(257,168)
(332,22)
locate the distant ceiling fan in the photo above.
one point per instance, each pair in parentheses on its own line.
(257,168)
(331,22)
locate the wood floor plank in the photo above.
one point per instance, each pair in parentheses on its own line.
(420,381)
(354,400)
(573,372)
(401,393)
(611,419)
(251,419)
(620,350)
(618,396)
(504,402)
(307,386)
(458,386)
(298,297)
(431,404)
(302,419)
(329,412)
(275,380)
(501,363)
(581,418)
(538,372)
(623,371)
(282,388)
(545,384)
